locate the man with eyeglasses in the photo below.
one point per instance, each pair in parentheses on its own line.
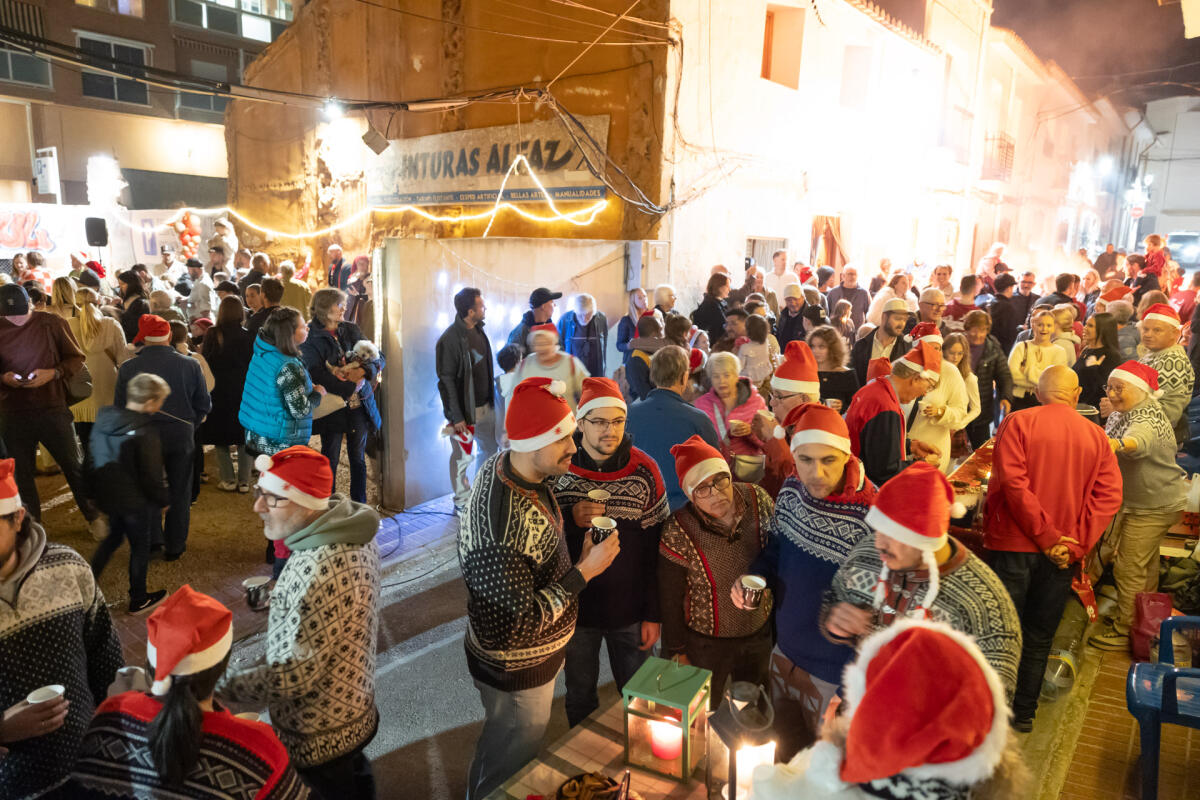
(620,606)
(317,678)
(886,341)
(931,308)
(1055,486)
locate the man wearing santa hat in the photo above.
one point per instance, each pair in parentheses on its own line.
(1160,328)
(177,740)
(1153,497)
(912,567)
(950,741)
(876,421)
(55,629)
(1054,489)
(819,516)
(522,589)
(317,677)
(184,409)
(942,410)
(795,382)
(609,477)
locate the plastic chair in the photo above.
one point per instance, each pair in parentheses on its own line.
(1162,692)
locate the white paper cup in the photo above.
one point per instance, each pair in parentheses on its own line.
(45,694)
(257,595)
(753,587)
(599,496)
(601,528)
(250,715)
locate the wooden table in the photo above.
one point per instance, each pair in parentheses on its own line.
(595,745)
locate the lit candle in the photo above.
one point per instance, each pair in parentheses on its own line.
(747,759)
(666,740)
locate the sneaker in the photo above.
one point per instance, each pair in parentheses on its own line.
(204,477)
(243,488)
(172,556)
(1023,725)
(1110,639)
(99,528)
(227,486)
(148,602)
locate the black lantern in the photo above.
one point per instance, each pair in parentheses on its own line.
(739,739)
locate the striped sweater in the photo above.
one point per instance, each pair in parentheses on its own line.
(523,592)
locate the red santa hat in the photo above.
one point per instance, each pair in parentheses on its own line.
(537,415)
(697,359)
(914,508)
(798,372)
(878,367)
(1161,312)
(696,461)
(924,332)
(536,330)
(298,473)
(10,500)
(813,423)
(924,359)
(600,393)
(1135,373)
(806,274)
(96,267)
(189,633)
(1116,293)
(900,722)
(153,329)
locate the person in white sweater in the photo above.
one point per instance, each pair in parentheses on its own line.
(546,360)
(956,350)
(943,410)
(1030,358)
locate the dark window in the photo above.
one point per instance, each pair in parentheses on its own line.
(189,13)
(128,59)
(221,19)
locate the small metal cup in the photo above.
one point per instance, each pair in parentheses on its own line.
(601,528)
(753,587)
(258,596)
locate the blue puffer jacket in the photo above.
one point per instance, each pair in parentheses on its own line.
(262,410)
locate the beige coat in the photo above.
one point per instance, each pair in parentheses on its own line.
(106,353)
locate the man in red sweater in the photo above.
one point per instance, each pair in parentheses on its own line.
(1055,487)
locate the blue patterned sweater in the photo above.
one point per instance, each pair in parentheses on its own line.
(808,540)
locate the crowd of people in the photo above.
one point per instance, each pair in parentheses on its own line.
(125,381)
(800,428)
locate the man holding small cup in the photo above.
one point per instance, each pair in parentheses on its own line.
(611,485)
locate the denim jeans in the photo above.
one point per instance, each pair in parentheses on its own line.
(513,726)
(225,464)
(356,446)
(583,665)
(1039,590)
(55,430)
(134,526)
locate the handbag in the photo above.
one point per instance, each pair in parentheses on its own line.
(330,404)
(745,467)
(77,387)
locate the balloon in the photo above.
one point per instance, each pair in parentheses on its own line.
(178,226)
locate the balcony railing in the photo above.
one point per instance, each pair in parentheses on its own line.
(998,154)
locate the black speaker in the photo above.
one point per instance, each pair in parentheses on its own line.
(97,231)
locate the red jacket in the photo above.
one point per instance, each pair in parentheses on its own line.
(877,431)
(1053,474)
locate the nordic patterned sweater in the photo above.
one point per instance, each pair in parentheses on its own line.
(627,592)
(318,675)
(54,628)
(808,540)
(522,590)
(1175,378)
(970,599)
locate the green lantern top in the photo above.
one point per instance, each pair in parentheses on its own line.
(667,682)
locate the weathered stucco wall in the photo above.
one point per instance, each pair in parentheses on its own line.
(291,170)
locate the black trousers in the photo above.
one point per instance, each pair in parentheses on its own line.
(744,658)
(979,431)
(134,526)
(55,430)
(178,452)
(1039,590)
(347,777)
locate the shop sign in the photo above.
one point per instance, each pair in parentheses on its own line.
(468,167)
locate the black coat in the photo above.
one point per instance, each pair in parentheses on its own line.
(227,351)
(709,317)
(127,468)
(456,380)
(1022,305)
(860,354)
(995,378)
(1004,322)
(789,328)
(130,316)
(322,348)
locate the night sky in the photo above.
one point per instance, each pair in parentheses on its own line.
(1102,37)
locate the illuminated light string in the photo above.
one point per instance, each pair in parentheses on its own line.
(580,217)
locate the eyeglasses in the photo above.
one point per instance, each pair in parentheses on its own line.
(934,305)
(606,424)
(719,484)
(1115,388)
(272,500)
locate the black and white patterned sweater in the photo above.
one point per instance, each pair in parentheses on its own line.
(1175,378)
(523,592)
(54,628)
(970,599)
(318,675)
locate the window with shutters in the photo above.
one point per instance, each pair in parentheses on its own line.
(117,55)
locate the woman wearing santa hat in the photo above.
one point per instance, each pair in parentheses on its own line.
(1153,496)
(705,548)
(903,735)
(176,739)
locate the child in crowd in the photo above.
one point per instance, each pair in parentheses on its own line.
(760,355)
(508,358)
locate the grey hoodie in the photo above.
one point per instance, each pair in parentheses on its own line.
(29,550)
(346,522)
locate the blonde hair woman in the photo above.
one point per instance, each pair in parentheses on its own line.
(62,298)
(102,341)
(1029,359)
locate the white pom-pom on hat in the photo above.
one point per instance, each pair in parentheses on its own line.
(957,510)
(263,462)
(557,388)
(779,432)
